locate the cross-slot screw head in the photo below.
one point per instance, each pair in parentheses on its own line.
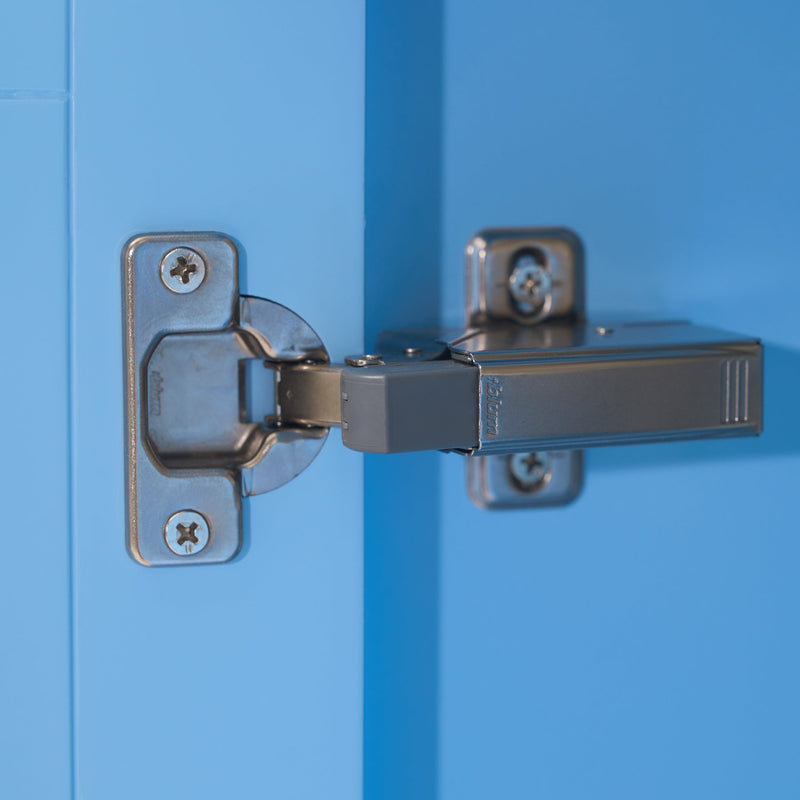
(530,284)
(187,532)
(530,472)
(183,270)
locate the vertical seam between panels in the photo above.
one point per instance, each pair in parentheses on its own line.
(71,393)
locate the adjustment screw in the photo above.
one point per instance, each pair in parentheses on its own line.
(186,532)
(530,284)
(530,471)
(183,270)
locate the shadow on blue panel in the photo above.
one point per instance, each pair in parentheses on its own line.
(402,254)
(401,627)
(781,434)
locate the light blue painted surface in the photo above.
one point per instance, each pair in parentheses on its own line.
(35,694)
(643,642)
(34,47)
(242,680)
(34,590)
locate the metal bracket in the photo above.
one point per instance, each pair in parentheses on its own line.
(229,396)
(523,276)
(200,436)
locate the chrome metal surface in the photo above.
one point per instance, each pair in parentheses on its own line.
(421,344)
(492,485)
(183,270)
(559,385)
(367,360)
(542,256)
(415,405)
(279,335)
(530,284)
(311,394)
(530,472)
(285,452)
(186,533)
(195,440)
(564,386)
(154,492)
(281,338)
(197,414)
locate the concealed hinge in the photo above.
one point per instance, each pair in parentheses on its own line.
(230,396)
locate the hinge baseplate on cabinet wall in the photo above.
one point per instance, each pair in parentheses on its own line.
(230,396)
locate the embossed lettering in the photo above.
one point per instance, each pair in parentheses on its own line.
(155,392)
(493,389)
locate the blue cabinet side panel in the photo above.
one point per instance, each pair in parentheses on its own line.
(34,469)
(403,234)
(242,680)
(643,642)
(34,47)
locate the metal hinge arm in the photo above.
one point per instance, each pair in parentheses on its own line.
(393,408)
(575,390)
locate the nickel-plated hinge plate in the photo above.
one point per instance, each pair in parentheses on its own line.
(202,426)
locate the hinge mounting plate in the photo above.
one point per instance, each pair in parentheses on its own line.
(198,437)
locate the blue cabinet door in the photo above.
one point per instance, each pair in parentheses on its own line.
(35,642)
(241,681)
(126,682)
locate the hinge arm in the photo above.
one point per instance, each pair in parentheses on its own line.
(556,386)
(392,408)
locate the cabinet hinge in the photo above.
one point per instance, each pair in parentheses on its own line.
(230,396)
